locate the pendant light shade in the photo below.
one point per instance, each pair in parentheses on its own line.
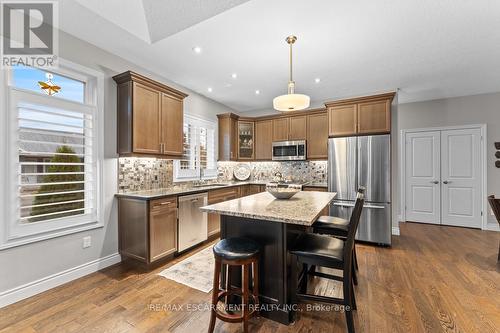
(291,101)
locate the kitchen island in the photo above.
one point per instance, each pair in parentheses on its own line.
(274,224)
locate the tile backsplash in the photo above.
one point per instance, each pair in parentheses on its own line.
(299,171)
(138,174)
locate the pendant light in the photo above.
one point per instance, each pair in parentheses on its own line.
(291,101)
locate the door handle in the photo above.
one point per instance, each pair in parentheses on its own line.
(446,182)
(373,206)
(434,181)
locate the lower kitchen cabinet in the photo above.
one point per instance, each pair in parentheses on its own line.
(147,228)
(251,189)
(216,196)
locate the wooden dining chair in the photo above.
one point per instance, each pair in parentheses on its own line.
(495,206)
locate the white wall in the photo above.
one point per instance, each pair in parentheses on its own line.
(25,264)
(467,110)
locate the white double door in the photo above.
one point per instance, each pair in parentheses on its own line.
(443,177)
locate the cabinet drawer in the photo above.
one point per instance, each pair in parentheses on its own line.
(164,203)
(223,194)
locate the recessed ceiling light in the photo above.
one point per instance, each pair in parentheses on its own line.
(234,75)
(317,80)
(209,89)
(257,92)
(197,49)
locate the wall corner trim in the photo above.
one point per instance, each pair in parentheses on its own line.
(395,231)
(38,286)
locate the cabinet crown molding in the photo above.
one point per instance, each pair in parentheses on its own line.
(354,100)
(135,77)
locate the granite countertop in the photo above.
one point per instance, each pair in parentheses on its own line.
(303,208)
(181,190)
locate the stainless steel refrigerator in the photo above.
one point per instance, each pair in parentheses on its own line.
(362,161)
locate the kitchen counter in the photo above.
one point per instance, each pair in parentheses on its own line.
(181,190)
(303,208)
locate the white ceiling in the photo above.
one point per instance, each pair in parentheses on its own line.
(428,48)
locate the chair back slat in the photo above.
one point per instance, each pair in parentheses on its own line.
(495,206)
(353,224)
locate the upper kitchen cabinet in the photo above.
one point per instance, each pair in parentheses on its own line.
(317,136)
(298,128)
(357,116)
(246,140)
(280,129)
(150,117)
(228,137)
(264,140)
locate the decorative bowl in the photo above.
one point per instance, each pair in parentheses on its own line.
(283,191)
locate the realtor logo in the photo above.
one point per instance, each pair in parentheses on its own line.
(30,35)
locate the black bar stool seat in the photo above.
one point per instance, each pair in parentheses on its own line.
(231,252)
(238,248)
(331,225)
(325,250)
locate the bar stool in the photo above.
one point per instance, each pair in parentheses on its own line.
(232,252)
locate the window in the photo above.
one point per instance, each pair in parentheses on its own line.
(53,152)
(198,161)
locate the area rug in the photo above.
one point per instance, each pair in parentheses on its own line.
(195,271)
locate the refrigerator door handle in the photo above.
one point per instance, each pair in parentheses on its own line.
(343,204)
(373,206)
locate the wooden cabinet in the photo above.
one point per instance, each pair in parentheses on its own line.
(374,117)
(246,140)
(216,196)
(280,129)
(317,136)
(264,140)
(147,229)
(162,228)
(364,115)
(228,134)
(251,189)
(298,128)
(172,115)
(326,210)
(150,116)
(342,120)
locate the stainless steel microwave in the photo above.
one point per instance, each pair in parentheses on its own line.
(289,150)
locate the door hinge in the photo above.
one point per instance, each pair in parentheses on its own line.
(481,213)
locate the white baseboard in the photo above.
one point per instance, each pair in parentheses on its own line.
(395,231)
(493,227)
(32,288)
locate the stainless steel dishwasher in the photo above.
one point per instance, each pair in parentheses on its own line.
(192,221)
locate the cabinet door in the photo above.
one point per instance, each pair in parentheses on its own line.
(245,140)
(374,117)
(228,139)
(163,230)
(342,120)
(280,129)
(146,120)
(297,128)
(216,196)
(172,120)
(317,136)
(264,140)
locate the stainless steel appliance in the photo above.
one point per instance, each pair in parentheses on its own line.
(362,161)
(192,221)
(289,150)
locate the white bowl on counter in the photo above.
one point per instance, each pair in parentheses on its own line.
(283,191)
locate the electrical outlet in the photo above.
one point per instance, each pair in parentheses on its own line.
(87,242)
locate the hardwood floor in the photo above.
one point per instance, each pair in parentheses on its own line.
(433,279)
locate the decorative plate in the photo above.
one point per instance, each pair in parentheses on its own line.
(242,171)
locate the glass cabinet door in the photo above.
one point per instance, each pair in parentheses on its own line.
(246,140)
